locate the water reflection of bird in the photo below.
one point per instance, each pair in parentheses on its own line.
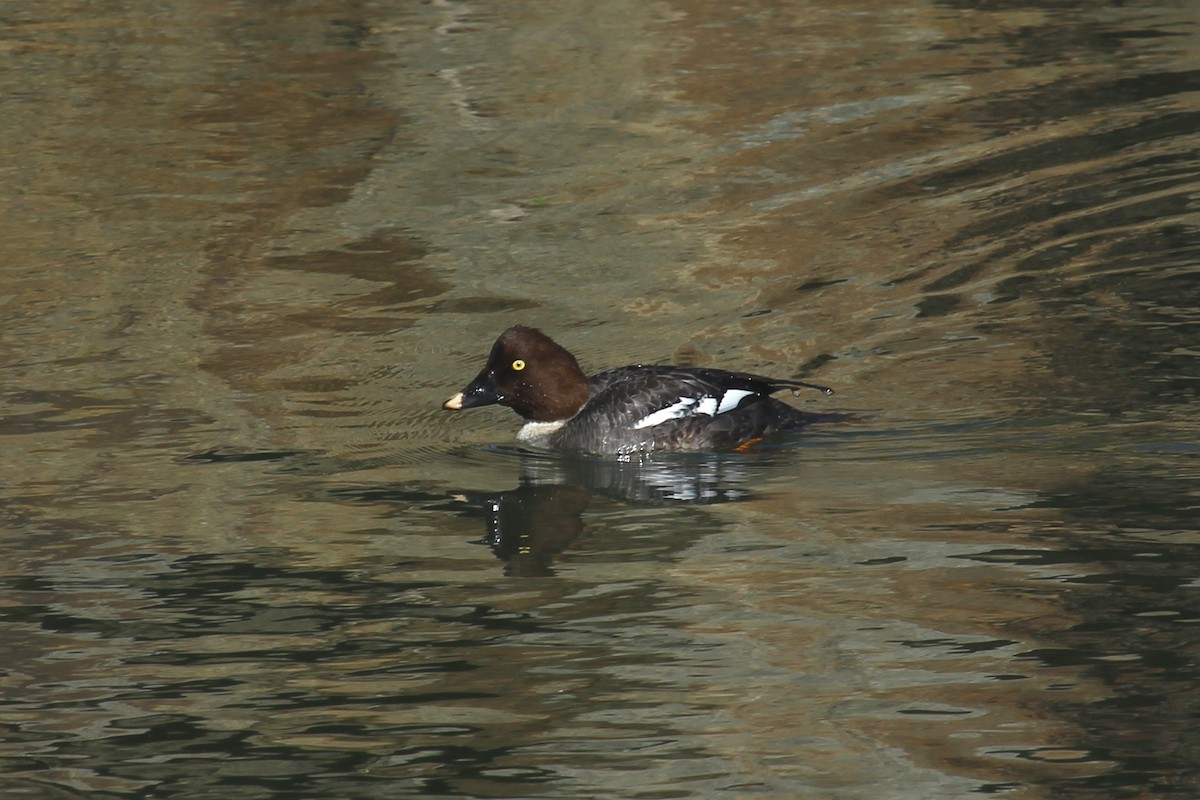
(528,526)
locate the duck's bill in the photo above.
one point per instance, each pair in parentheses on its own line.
(476,395)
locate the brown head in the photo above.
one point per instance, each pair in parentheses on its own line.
(531,374)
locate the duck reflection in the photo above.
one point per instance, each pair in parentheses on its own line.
(526,527)
(529,525)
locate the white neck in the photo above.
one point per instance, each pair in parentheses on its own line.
(538,433)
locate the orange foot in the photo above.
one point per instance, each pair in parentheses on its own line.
(744,446)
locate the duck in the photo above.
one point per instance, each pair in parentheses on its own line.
(636,409)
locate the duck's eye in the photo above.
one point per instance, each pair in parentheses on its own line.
(518,365)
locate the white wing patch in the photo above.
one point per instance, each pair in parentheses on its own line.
(708,406)
(674,411)
(731,398)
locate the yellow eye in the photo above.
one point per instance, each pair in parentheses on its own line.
(518,365)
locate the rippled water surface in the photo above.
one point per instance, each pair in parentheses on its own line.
(250,247)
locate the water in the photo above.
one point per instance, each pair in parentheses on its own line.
(250,248)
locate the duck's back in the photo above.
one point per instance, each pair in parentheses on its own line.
(647,408)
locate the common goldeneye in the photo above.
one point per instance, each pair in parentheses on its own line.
(634,409)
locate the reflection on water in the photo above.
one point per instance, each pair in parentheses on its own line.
(250,248)
(526,526)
